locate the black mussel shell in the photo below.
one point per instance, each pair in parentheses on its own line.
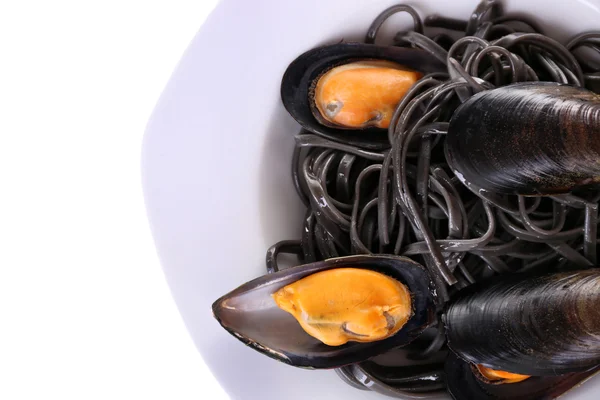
(304,70)
(250,314)
(463,383)
(527,138)
(526,324)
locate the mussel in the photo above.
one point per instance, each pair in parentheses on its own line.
(290,314)
(348,91)
(530,138)
(536,325)
(465,382)
(347,304)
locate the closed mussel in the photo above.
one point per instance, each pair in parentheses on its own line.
(331,313)
(537,325)
(348,92)
(464,381)
(528,138)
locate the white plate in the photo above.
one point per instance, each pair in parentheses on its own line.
(216,162)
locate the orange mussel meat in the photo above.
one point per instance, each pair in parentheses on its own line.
(363,93)
(347,304)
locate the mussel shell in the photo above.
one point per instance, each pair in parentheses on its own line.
(304,70)
(250,314)
(532,325)
(527,138)
(463,384)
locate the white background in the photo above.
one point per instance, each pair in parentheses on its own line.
(84,310)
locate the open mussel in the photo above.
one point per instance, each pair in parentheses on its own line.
(348,91)
(465,382)
(535,325)
(331,313)
(528,138)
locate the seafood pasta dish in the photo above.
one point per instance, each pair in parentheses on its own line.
(451,184)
